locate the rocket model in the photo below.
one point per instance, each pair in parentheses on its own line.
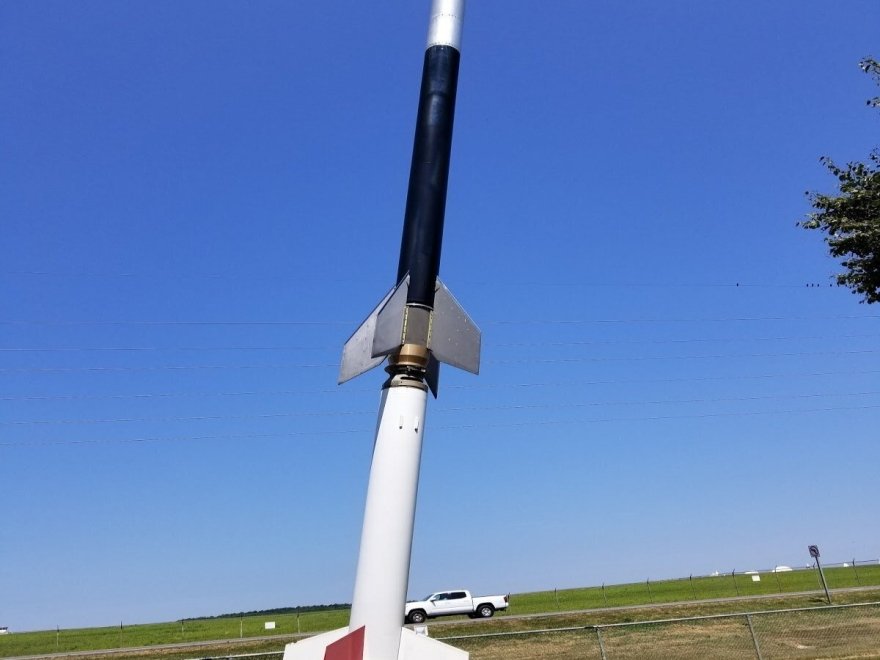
(416,326)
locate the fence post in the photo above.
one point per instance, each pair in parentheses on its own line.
(776,575)
(858,581)
(754,637)
(735,586)
(604,597)
(601,643)
(650,595)
(693,591)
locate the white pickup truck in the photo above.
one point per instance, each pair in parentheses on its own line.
(444,603)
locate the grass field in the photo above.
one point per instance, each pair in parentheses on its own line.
(839,634)
(698,588)
(850,633)
(857,633)
(289,625)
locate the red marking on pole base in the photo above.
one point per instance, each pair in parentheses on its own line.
(350,647)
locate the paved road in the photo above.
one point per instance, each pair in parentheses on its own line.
(109,653)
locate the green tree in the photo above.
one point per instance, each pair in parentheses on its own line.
(851,219)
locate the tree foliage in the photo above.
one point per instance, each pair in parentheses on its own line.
(851,219)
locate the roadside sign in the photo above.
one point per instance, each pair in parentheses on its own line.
(814,551)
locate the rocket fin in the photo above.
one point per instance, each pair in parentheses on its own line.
(350,647)
(455,338)
(420,647)
(313,648)
(357,354)
(452,337)
(432,374)
(341,645)
(389,323)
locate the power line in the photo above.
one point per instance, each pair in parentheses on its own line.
(536,344)
(536,423)
(441,410)
(673,357)
(596,404)
(482,386)
(169,367)
(238,276)
(146,349)
(679,320)
(665,417)
(159,395)
(171,323)
(692,340)
(195,418)
(525,322)
(198,367)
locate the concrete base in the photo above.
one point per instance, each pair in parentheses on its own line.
(412,647)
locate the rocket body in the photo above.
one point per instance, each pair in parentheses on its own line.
(389,515)
(429,174)
(419,324)
(416,326)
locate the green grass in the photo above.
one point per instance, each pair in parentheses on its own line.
(698,588)
(839,633)
(816,633)
(196,630)
(288,625)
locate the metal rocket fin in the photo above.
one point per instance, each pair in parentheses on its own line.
(389,324)
(449,333)
(342,644)
(432,375)
(357,354)
(455,339)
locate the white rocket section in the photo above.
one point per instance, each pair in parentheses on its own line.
(386,541)
(447,17)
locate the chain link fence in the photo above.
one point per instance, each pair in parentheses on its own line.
(731,584)
(837,631)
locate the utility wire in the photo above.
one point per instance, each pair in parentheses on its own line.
(145,349)
(673,357)
(441,410)
(598,404)
(171,323)
(197,367)
(663,417)
(523,322)
(693,340)
(482,386)
(679,320)
(743,284)
(536,423)
(536,344)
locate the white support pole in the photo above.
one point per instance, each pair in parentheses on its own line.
(386,540)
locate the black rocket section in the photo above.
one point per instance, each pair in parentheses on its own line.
(419,324)
(429,176)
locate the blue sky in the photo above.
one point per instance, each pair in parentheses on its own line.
(200,201)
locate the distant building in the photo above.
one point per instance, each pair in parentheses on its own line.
(4,630)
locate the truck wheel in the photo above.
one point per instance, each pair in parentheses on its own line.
(417,616)
(485,610)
